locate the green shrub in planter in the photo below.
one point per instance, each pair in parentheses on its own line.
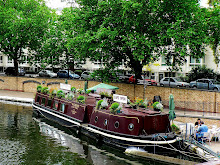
(70,96)
(88,91)
(81,99)
(99,104)
(39,87)
(60,94)
(79,91)
(45,90)
(115,108)
(73,89)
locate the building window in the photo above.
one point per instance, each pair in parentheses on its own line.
(10,60)
(1,59)
(97,62)
(196,61)
(163,63)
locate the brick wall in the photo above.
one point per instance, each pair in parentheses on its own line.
(188,99)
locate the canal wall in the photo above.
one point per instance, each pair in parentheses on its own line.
(185,99)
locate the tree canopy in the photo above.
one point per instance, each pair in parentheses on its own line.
(137,32)
(23,24)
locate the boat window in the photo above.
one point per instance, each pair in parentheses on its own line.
(43,101)
(38,99)
(49,103)
(131,126)
(55,105)
(105,122)
(116,124)
(62,109)
(96,119)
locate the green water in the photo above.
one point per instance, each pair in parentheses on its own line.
(26,140)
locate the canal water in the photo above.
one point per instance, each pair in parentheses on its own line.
(27,140)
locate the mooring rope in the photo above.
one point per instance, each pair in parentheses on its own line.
(182,152)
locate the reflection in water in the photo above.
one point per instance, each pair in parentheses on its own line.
(26,140)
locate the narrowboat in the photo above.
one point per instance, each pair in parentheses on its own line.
(130,127)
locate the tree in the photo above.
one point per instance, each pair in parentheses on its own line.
(201,72)
(22,25)
(51,49)
(213,18)
(136,32)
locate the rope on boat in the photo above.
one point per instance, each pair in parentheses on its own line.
(56,120)
(182,152)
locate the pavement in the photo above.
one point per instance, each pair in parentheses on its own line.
(16,96)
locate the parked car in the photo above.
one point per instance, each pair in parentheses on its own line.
(209,84)
(86,75)
(64,74)
(47,73)
(143,80)
(173,82)
(11,71)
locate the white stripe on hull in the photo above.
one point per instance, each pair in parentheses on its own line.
(54,114)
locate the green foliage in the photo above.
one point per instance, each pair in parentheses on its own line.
(99,104)
(73,89)
(116,31)
(115,108)
(80,91)
(158,105)
(70,96)
(39,87)
(213,18)
(88,91)
(23,24)
(201,72)
(60,94)
(105,94)
(45,90)
(140,102)
(81,99)
(174,128)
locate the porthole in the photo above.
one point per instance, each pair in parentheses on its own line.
(116,124)
(96,119)
(105,122)
(131,126)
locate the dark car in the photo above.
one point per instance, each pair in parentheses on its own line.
(11,71)
(64,74)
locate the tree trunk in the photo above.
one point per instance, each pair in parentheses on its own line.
(16,66)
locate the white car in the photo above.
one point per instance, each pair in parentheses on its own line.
(173,82)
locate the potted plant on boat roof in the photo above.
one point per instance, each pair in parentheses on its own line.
(115,108)
(53,93)
(39,87)
(140,103)
(69,96)
(157,106)
(73,89)
(81,99)
(79,91)
(45,90)
(102,104)
(60,94)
